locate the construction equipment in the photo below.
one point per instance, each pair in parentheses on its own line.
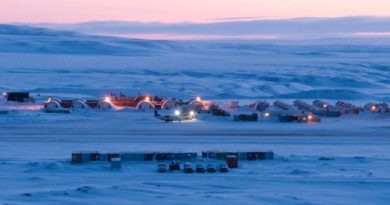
(174,166)
(299,118)
(161,168)
(245,117)
(178,115)
(217,111)
(22,97)
(200,168)
(223,168)
(188,168)
(211,168)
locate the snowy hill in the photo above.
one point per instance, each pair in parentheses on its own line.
(25,39)
(45,60)
(352,27)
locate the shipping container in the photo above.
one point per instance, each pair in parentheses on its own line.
(116,163)
(232,161)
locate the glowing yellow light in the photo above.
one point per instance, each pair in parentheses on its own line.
(177,112)
(373,108)
(309,117)
(198,99)
(147,98)
(192,113)
(107,99)
(325,106)
(266,114)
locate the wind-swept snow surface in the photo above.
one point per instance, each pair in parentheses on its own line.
(342,161)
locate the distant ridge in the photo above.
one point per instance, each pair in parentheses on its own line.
(24,30)
(297,28)
(28,39)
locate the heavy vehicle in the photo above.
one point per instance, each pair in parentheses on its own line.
(245,117)
(162,168)
(217,111)
(259,106)
(22,97)
(200,168)
(299,118)
(178,115)
(223,168)
(196,104)
(211,168)
(174,166)
(188,168)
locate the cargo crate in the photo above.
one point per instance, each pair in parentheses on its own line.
(232,161)
(80,157)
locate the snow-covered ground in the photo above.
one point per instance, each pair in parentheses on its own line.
(35,147)
(35,166)
(46,61)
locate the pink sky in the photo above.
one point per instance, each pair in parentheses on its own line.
(72,11)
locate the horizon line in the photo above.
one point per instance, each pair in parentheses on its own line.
(211,21)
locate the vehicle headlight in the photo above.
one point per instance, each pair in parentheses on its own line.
(177,112)
(107,99)
(192,113)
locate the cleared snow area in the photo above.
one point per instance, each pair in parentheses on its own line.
(35,147)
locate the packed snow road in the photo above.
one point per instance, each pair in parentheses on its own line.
(328,163)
